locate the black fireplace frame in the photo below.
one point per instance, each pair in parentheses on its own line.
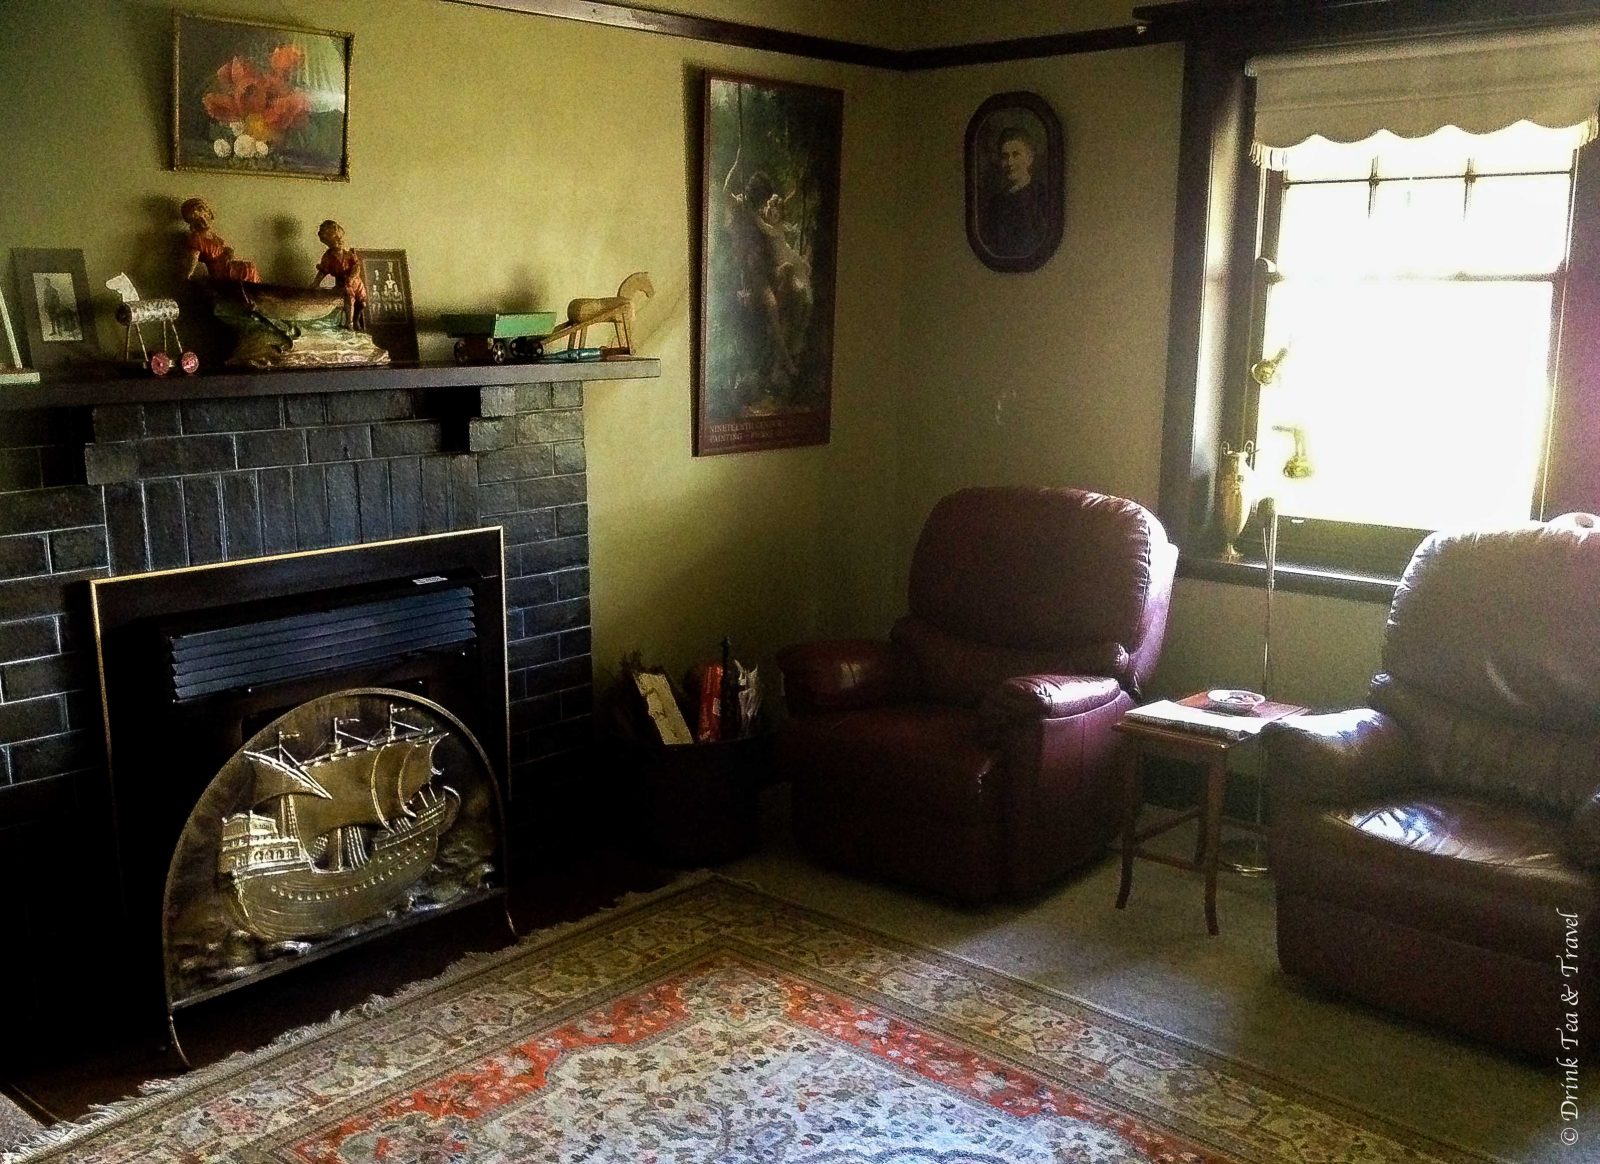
(133,614)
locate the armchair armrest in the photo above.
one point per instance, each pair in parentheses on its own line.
(842,674)
(1347,755)
(1035,697)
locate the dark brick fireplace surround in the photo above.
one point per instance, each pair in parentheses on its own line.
(108,478)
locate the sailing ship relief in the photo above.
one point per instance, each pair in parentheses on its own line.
(336,838)
(340,817)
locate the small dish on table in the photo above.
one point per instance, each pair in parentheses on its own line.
(1234,702)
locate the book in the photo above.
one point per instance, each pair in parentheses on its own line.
(1186,716)
(710,727)
(662,707)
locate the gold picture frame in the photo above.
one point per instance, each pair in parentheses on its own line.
(256,98)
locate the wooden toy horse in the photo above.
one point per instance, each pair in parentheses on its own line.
(616,310)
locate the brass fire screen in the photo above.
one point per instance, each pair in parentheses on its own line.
(351,812)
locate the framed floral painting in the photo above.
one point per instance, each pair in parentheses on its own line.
(260,98)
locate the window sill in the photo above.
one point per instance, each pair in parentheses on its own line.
(1291,577)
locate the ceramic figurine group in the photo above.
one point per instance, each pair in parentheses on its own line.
(298,327)
(284,326)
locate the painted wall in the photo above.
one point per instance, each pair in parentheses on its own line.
(520,161)
(1058,376)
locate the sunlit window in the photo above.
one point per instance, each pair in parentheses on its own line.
(1415,288)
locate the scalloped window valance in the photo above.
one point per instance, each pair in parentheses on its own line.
(1481,84)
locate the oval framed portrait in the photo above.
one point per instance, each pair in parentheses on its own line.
(1014,168)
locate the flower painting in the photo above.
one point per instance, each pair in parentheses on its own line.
(259,99)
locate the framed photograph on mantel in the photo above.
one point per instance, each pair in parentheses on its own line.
(1014,178)
(769,251)
(389,318)
(253,98)
(54,291)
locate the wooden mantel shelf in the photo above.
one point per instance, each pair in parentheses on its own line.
(143,389)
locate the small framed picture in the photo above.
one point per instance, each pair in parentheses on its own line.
(54,292)
(251,98)
(1014,176)
(389,317)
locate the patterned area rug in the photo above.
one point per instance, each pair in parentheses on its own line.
(16,1125)
(714,1024)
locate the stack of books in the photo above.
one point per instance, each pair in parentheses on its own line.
(1191,715)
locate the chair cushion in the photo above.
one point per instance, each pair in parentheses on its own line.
(916,759)
(1487,873)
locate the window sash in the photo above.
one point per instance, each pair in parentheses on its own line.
(1331,540)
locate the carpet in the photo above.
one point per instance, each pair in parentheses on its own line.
(713,1023)
(16,1125)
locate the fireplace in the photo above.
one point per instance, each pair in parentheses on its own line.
(305,751)
(124,476)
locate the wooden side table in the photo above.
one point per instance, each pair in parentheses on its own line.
(1177,742)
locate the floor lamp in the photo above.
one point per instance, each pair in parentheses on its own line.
(1247,855)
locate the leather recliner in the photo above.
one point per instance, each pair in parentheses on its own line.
(971,754)
(1429,850)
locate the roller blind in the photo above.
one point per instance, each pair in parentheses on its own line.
(1481,84)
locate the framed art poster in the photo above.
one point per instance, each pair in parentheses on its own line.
(389,318)
(769,250)
(54,293)
(253,98)
(1015,200)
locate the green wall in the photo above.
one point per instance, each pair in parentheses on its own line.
(1059,376)
(521,161)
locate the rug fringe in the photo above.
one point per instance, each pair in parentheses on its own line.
(154,1090)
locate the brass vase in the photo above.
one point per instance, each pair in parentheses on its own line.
(1233,496)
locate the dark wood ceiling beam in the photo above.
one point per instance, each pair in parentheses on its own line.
(640,19)
(1268,24)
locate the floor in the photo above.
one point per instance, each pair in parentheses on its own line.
(1155,964)
(1152,963)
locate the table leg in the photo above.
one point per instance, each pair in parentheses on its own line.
(1211,831)
(1132,798)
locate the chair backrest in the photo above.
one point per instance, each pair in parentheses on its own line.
(1045,570)
(1492,658)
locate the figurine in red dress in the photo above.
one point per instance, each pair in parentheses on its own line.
(206,247)
(344,265)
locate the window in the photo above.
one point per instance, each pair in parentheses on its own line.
(1408,302)
(1432,281)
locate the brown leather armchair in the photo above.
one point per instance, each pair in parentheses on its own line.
(971,754)
(1429,849)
